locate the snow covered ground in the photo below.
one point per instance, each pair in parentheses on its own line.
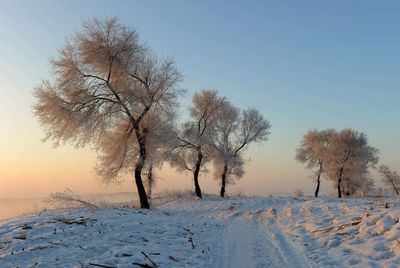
(214,232)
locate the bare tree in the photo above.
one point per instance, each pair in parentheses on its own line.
(313,151)
(390,178)
(111,91)
(194,140)
(349,157)
(235,130)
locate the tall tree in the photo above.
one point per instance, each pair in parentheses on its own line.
(313,151)
(111,91)
(234,131)
(194,140)
(349,157)
(390,178)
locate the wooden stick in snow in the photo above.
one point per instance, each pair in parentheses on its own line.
(152,262)
(101,265)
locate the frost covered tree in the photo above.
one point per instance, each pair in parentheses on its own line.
(234,131)
(109,90)
(356,178)
(368,186)
(159,146)
(348,158)
(313,152)
(194,140)
(390,178)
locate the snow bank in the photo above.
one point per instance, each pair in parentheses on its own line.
(347,232)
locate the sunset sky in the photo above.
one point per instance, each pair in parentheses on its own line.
(304,64)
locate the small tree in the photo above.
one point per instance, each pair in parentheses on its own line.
(349,158)
(298,192)
(355,178)
(235,130)
(368,186)
(194,140)
(390,178)
(111,91)
(312,151)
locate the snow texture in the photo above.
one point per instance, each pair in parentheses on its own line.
(213,232)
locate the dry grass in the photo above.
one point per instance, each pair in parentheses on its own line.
(70,199)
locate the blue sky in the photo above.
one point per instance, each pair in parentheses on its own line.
(304,64)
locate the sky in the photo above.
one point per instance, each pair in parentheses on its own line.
(303,64)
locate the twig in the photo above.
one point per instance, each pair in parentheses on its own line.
(147,257)
(338,228)
(101,265)
(143,265)
(38,248)
(172,258)
(125,241)
(82,221)
(186,229)
(126,255)
(26,227)
(42,211)
(58,244)
(191,242)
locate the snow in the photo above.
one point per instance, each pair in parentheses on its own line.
(346,233)
(213,232)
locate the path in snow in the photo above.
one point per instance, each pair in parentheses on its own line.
(252,239)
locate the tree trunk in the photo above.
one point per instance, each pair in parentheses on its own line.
(150,181)
(318,181)
(318,185)
(144,203)
(223,179)
(196,174)
(395,188)
(338,188)
(339,183)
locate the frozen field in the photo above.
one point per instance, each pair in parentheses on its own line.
(214,232)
